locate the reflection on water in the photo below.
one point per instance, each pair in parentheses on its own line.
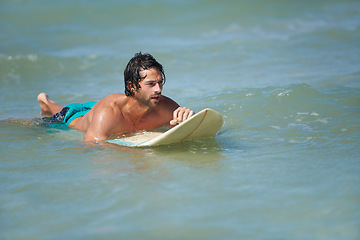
(198,151)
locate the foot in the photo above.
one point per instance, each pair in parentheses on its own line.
(44,102)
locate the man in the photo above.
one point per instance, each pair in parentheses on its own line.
(142,107)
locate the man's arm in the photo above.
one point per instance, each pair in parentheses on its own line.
(101,125)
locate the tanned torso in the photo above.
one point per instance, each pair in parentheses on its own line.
(117,114)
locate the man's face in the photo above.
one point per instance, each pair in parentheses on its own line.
(151,87)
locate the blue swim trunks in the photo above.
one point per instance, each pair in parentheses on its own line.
(76,110)
(69,113)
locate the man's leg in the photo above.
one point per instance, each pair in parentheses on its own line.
(48,107)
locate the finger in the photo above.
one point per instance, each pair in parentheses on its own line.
(191,113)
(174,121)
(180,114)
(186,114)
(175,113)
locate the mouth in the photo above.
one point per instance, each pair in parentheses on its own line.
(156,98)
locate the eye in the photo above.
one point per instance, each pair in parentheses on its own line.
(151,84)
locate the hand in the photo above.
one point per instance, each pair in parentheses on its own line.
(180,115)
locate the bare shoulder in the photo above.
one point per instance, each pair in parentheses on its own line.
(167,104)
(112,101)
(113,98)
(166,108)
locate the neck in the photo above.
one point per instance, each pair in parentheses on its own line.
(136,110)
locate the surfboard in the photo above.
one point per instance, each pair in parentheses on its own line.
(205,123)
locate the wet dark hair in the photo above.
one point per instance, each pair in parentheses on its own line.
(138,63)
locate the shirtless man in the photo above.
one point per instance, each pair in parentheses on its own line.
(142,107)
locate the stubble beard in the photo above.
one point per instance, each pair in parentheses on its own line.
(150,101)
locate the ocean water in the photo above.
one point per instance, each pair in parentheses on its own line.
(285,75)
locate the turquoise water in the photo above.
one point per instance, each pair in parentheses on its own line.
(284,74)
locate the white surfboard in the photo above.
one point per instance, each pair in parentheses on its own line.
(205,123)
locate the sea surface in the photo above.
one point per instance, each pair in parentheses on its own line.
(285,75)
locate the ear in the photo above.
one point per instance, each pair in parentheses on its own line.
(132,88)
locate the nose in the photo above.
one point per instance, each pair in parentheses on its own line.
(158,87)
